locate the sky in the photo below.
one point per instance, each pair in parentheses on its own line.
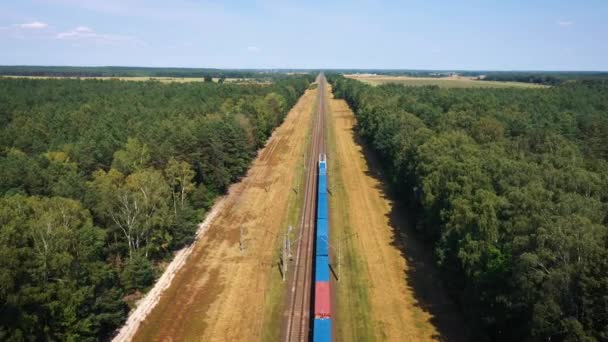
(316,34)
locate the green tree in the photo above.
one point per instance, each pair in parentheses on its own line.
(135,156)
(180,179)
(510,185)
(53,272)
(136,205)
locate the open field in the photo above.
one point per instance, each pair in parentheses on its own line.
(220,294)
(145,78)
(388,288)
(447,82)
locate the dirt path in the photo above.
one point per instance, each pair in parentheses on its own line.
(403,297)
(220,292)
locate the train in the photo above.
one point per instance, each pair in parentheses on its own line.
(322,325)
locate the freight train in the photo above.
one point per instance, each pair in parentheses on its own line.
(322,325)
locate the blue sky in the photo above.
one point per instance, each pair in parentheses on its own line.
(410,34)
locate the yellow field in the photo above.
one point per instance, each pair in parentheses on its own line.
(446,82)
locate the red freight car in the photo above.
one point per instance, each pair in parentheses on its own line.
(322,300)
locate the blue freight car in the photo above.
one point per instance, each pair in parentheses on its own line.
(322,330)
(322,208)
(322,323)
(321,268)
(322,228)
(322,246)
(322,238)
(322,184)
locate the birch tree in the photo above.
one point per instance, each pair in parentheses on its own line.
(136,205)
(179,175)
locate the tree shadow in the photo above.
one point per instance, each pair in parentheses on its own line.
(422,275)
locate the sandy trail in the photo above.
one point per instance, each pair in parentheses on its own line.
(406,299)
(215,291)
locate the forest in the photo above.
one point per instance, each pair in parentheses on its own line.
(542,77)
(510,188)
(117,71)
(101,181)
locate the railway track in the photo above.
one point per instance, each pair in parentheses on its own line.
(297,317)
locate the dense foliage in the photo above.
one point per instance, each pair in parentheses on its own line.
(101,180)
(511,187)
(544,77)
(116,71)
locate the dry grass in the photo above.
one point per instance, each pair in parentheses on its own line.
(447,82)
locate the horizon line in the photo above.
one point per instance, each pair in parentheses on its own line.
(308,69)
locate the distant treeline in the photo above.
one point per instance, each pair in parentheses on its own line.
(102,180)
(547,78)
(539,77)
(112,71)
(511,188)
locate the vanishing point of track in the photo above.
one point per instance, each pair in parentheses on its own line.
(297,317)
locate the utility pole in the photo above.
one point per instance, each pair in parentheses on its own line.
(289,242)
(339,260)
(286,252)
(339,251)
(241,241)
(284,257)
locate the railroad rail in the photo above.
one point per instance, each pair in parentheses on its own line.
(297,316)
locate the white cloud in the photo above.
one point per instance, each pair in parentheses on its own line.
(29,30)
(83,29)
(253,49)
(84,33)
(180,11)
(34,25)
(37,30)
(565,23)
(80,32)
